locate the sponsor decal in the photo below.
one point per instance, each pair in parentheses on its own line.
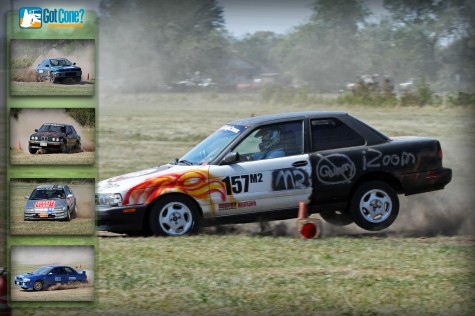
(289,179)
(247,204)
(45,204)
(227,206)
(335,169)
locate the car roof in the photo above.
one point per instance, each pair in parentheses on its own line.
(56,124)
(257,120)
(50,186)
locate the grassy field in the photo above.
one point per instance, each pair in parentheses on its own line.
(85,88)
(84,224)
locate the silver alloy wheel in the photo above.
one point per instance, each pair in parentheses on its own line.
(376,206)
(38,286)
(175,219)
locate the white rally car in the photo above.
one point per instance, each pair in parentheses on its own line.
(262,167)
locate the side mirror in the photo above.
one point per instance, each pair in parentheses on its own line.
(26,197)
(69,196)
(231,158)
(36,129)
(74,63)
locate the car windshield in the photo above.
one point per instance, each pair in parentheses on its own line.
(50,128)
(43,194)
(60,62)
(213,145)
(42,271)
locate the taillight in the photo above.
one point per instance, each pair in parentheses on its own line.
(439,151)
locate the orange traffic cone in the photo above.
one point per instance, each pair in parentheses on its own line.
(18,147)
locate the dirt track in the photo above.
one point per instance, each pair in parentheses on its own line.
(82,293)
(81,158)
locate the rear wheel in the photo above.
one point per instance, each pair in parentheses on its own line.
(174,215)
(374,205)
(337,218)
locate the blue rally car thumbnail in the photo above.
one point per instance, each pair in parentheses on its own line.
(58,69)
(49,275)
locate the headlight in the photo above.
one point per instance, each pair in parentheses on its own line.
(32,137)
(36,138)
(62,208)
(26,280)
(112,199)
(29,210)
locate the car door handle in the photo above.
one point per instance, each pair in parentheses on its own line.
(300,163)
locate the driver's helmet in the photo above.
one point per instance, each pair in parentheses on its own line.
(270,137)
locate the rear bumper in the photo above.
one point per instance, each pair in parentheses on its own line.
(426,181)
(121,219)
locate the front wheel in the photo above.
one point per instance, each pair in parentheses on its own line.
(38,286)
(64,148)
(374,205)
(32,150)
(174,215)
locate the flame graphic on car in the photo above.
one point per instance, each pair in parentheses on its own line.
(196,184)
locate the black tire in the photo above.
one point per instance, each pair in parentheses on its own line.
(38,286)
(374,205)
(337,218)
(32,150)
(77,147)
(174,215)
(75,213)
(53,79)
(64,148)
(68,216)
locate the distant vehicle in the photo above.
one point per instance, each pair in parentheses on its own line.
(55,137)
(47,276)
(51,202)
(58,69)
(260,168)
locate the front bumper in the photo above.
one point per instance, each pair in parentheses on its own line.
(67,74)
(51,215)
(426,181)
(120,219)
(24,285)
(37,144)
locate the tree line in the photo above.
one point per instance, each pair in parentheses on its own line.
(158,42)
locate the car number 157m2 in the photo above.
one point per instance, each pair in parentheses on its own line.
(240,184)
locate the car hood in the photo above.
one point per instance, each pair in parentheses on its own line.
(65,68)
(28,275)
(47,134)
(127,181)
(138,187)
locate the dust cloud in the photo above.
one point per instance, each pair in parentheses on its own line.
(31,119)
(85,200)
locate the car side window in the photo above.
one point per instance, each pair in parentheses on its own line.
(332,133)
(273,141)
(73,130)
(57,270)
(68,270)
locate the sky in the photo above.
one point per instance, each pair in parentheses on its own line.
(278,16)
